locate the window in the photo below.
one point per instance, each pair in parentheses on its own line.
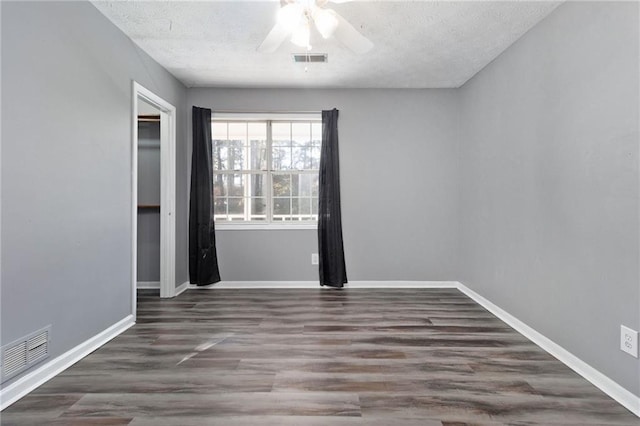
(266,169)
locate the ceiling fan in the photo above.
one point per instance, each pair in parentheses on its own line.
(296,17)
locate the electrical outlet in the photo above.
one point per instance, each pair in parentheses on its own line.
(629,341)
(314,259)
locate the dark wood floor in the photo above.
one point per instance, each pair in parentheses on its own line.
(317,357)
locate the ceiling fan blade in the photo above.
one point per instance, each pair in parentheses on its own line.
(350,37)
(274,39)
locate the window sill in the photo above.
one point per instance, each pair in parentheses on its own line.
(265,226)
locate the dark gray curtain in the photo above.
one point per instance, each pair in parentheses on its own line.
(333,272)
(203,260)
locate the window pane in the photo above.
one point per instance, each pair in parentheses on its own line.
(295,184)
(257,146)
(301,134)
(246,196)
(281,208)
(220,208)
(301,158)
(233,184)
(314,157)
(302,206)
(219,187)
(220,154)
(315,185)
(236,155)
(304,187)
(281,185)
(219,131)
(258,209)
(281,158)
(236,208)
(281,134)
(257,131)
(238,132)
(258,155)
(316,133)
(314,207)
(257,183)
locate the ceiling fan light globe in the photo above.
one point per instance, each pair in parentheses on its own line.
(326,22)
(301,35)
(289,16)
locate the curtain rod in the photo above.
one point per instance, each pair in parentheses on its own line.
(219,111)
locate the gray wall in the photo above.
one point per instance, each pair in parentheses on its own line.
(549,182)
(398,163)
(66,169)
(148,194)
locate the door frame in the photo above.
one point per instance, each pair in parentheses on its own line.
(167,191)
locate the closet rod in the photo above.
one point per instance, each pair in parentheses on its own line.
(148,117)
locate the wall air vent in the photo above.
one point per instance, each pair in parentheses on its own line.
(310,57)
(25,352)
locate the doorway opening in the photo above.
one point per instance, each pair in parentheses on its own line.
(153,193)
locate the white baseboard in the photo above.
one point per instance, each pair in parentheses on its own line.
(315,284)
(401,284)
(30,381)
(148,285)
(255,284)
(181,288)
(630,401)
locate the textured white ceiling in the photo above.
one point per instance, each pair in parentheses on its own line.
(418,44)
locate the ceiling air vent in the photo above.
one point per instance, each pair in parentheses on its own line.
(25,352)
(310,57)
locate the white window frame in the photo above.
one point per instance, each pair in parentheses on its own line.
(268,224)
